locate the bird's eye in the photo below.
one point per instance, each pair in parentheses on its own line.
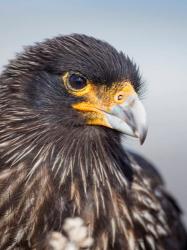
(76,82)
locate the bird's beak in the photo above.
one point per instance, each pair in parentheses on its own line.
(119,109)
(129,118)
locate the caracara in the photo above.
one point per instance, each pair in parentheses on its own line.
(64,105)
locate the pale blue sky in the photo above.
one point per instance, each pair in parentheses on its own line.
(154,33)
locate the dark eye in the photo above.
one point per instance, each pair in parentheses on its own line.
(77,82)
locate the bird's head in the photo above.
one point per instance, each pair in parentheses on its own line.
(78,80)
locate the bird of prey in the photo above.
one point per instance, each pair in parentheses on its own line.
(64,105)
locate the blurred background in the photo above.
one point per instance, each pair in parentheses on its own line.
(153,33)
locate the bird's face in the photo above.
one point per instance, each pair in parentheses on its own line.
(116,106)
(79,80)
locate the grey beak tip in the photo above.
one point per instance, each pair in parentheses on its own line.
(129,118)
(143,136)
(142,141)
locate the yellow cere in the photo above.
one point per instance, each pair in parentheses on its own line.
(99,99)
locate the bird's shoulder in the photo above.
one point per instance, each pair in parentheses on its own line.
(147,167)
(150,172)
(167,203)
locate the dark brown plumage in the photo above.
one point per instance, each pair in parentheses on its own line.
(57,162)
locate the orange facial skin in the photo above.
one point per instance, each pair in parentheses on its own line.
(99,99)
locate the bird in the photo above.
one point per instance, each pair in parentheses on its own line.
(65,104)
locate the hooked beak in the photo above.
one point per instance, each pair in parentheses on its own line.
(119,109)
(129,118)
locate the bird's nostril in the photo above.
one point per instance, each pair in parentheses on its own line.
(120,97)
